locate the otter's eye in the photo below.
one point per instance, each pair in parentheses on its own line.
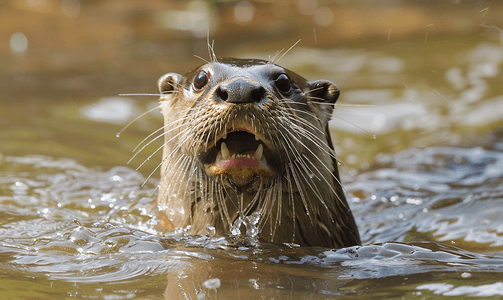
(283,83)
(201,80)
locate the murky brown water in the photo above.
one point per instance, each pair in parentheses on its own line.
(418,126)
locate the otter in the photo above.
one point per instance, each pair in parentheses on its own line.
(247,148)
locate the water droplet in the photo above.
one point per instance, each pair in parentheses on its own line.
(251,224)
(212,283)
(118,135)
(18,43)
(210,230)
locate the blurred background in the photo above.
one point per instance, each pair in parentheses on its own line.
(412,73)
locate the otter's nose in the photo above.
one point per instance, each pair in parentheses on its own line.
(240,92)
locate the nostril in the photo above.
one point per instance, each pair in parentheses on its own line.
(222,93)
(258,94)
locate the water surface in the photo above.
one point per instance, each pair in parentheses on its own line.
(418,128)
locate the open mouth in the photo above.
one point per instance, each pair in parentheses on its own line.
(240,156)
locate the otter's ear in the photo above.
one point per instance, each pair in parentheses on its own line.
(323,94)
(169,84)
(323,91)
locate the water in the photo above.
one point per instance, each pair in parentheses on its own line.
(418,129)
(429,220)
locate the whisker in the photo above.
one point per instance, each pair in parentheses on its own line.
(202,59)
(140,94)
(135,119)
(158,149)
(314,155)
(287,51)
(150,142)
(359,127)
(161,128)
(345,104)
(271,61)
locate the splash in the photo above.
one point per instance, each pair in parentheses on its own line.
(250,224)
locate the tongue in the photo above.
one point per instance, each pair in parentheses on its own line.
(238,162)
(240,168)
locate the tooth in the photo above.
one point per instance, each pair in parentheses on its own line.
(259,152)
(256,138)
(224,150)
(234,156)
(225,135)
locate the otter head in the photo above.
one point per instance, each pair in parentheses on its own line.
(241,136)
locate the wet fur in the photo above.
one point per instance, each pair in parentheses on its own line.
(302,203)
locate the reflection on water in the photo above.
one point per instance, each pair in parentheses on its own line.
(445,194)
(113,110)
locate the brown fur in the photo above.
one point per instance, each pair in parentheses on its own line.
(298,199)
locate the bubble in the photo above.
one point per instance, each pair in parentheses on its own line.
(324,16)
(243,12)
(18,43)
